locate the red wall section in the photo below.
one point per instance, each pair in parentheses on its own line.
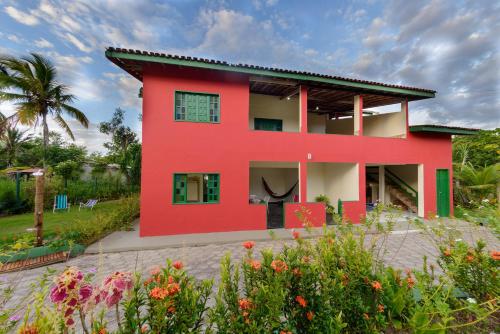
(227,148)
(315,213)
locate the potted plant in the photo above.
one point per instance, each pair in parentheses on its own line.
(329,208)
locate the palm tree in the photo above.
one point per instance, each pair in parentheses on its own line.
(481,181)
(31,83)
(13,141)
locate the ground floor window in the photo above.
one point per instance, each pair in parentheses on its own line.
(196,188)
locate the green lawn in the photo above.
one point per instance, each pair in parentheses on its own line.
(52,222)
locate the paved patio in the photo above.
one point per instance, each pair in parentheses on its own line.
(405,248)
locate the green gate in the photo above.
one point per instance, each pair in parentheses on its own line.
(443,192)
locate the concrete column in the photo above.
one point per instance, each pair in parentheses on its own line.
(404,110)
(374,192)
(421,208)
(358,115)
(303,109)
(302,182)
(381,184)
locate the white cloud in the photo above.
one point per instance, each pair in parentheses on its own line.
(43,43)
(76,42)
(14,38)
(21,16)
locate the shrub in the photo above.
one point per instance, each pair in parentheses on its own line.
(89,231)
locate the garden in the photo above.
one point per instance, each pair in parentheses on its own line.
(336,283)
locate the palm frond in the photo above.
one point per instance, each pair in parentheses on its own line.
(76,114)
(62,123)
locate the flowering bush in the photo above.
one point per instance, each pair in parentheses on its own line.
(332,284)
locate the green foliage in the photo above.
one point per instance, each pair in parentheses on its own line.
(68,169)
(325,199)
(481,149)
(476,183)
(12,143)
(31,83)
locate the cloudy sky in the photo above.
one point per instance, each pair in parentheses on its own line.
(450,46)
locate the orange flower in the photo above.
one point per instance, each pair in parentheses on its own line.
(376,285)
(469,258)
(279,266)
(331,241)
(310,315)
(144,328)
(302,302)
(366,316)
(345,279)
(245,304)
(447,252)
(254,264)
(173,288)
(102,331)
(380,308)
(306,259)
(296,235)
(410,282)
(29,329)
(178,265)
(297,272)
(158,293)
(171,309)
(495,255)
(248,244)
(287,332)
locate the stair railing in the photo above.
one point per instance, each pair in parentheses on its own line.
(403,185)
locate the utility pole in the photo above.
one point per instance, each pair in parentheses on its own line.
(39,190)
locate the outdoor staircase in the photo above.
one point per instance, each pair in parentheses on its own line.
(399,190)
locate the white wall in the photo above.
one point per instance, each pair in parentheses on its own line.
(385,125)
(335,180)
(267,106)
(280,180)
(408,173)
(316,123)
(344,126)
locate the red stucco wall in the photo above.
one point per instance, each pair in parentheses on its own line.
(227,148)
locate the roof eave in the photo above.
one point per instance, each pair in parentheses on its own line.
(115,55)
(443,129)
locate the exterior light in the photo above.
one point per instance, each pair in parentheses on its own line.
(288,98)
(317,108)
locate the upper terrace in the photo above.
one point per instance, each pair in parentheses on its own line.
(334,104)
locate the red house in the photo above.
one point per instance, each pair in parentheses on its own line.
(231,147)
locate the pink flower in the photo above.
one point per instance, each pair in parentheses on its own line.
(58,294)
(114,285)
(85,292)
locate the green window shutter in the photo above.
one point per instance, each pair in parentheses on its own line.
(268,124)
(203,107)
(213,188)
(180,188)
(197,107)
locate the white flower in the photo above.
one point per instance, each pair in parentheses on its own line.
(485,200)
(466,214)
(471,300)
(457,240)
(481,206)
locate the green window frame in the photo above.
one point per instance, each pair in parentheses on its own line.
(211,188)
(196,107)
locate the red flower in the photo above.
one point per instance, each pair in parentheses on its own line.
(178,265)
(495,255)
(248,244)
(376,285)
(297,272)
(302,302)
(410,282)
(158,293)
(380,308)
(310,315)
(279,266)
(245,304)
(287,332)
(447,252)
(366,316)
(469,258)
(254,264)
(296,235)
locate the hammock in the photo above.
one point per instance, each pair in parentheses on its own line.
(273,194)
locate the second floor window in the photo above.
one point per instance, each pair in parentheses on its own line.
(197,107)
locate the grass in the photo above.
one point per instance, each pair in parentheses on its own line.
(12,226)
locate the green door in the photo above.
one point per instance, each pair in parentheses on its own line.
(268,124)
(443,192)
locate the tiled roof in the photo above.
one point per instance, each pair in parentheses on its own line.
(111,50)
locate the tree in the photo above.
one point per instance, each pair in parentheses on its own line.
(67,170)
(122,137)
(478,182)
(481,149)
(37,94)
(13,141)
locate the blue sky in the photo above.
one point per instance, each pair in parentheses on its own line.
(449,46)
